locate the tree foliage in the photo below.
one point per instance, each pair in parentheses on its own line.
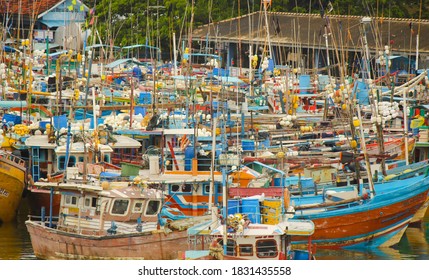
(127,22)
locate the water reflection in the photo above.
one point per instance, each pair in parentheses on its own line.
(414,245)
(15,244)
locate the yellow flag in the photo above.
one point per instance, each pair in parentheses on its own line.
(70,8)
(74,2)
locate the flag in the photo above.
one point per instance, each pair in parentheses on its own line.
(91,22)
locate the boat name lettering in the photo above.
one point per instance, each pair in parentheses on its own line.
(4,192)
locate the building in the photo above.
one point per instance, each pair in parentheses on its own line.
(304,40)
(44,18)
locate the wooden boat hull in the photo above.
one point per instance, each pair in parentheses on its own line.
(379,222)
(12,185)
(53,244)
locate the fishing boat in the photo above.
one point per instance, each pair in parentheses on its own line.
(13,180)
(247,235)
(116,220)
(349,218)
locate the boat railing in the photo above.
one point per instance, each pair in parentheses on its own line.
(183,163)
(45,220)
(117,158)
(13,158)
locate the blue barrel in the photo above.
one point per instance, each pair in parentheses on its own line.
(145,98)
(300,255)
(248,145)
(189,155)
(43,87)
(279,182)
(304,84)
(233,206)
(250,207)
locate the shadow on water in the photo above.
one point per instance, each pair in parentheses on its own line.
(15,242)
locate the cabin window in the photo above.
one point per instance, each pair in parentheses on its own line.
(206,189)
(187,188)
(246,250)
(153,207)
(90,202)
(120,207)
(230,247)
(62,162)
(138,206)
(106,158)
(266,248)
(71,200)
(80,159)
(216,187)
(175,188)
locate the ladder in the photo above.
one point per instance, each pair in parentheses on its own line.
(35,160)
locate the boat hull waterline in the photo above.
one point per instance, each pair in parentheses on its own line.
(52,244)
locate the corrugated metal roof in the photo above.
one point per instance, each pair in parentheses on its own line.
(27,7)
(307,31)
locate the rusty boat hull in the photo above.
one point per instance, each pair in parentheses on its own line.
(53,244)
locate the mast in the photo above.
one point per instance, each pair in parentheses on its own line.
(266,3)
(418,37)
(405,113)
(212,164)
(363,147)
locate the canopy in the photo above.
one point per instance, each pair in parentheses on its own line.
(118,62)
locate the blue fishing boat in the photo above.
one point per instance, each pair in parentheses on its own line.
(353,217)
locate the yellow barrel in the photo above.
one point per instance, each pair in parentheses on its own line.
(271,210)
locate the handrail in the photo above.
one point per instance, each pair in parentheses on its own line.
(13,158)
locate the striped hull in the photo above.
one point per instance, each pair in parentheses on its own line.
(12,184)
(191,205)
(52,244)
(380,222)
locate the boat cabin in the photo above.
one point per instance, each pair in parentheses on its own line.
(112,208)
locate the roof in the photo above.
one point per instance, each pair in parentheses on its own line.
(27,7)
(118,62)
(310,29)
(125,142)
(140,46)
(102,46)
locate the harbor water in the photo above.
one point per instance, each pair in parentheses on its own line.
(15,244)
